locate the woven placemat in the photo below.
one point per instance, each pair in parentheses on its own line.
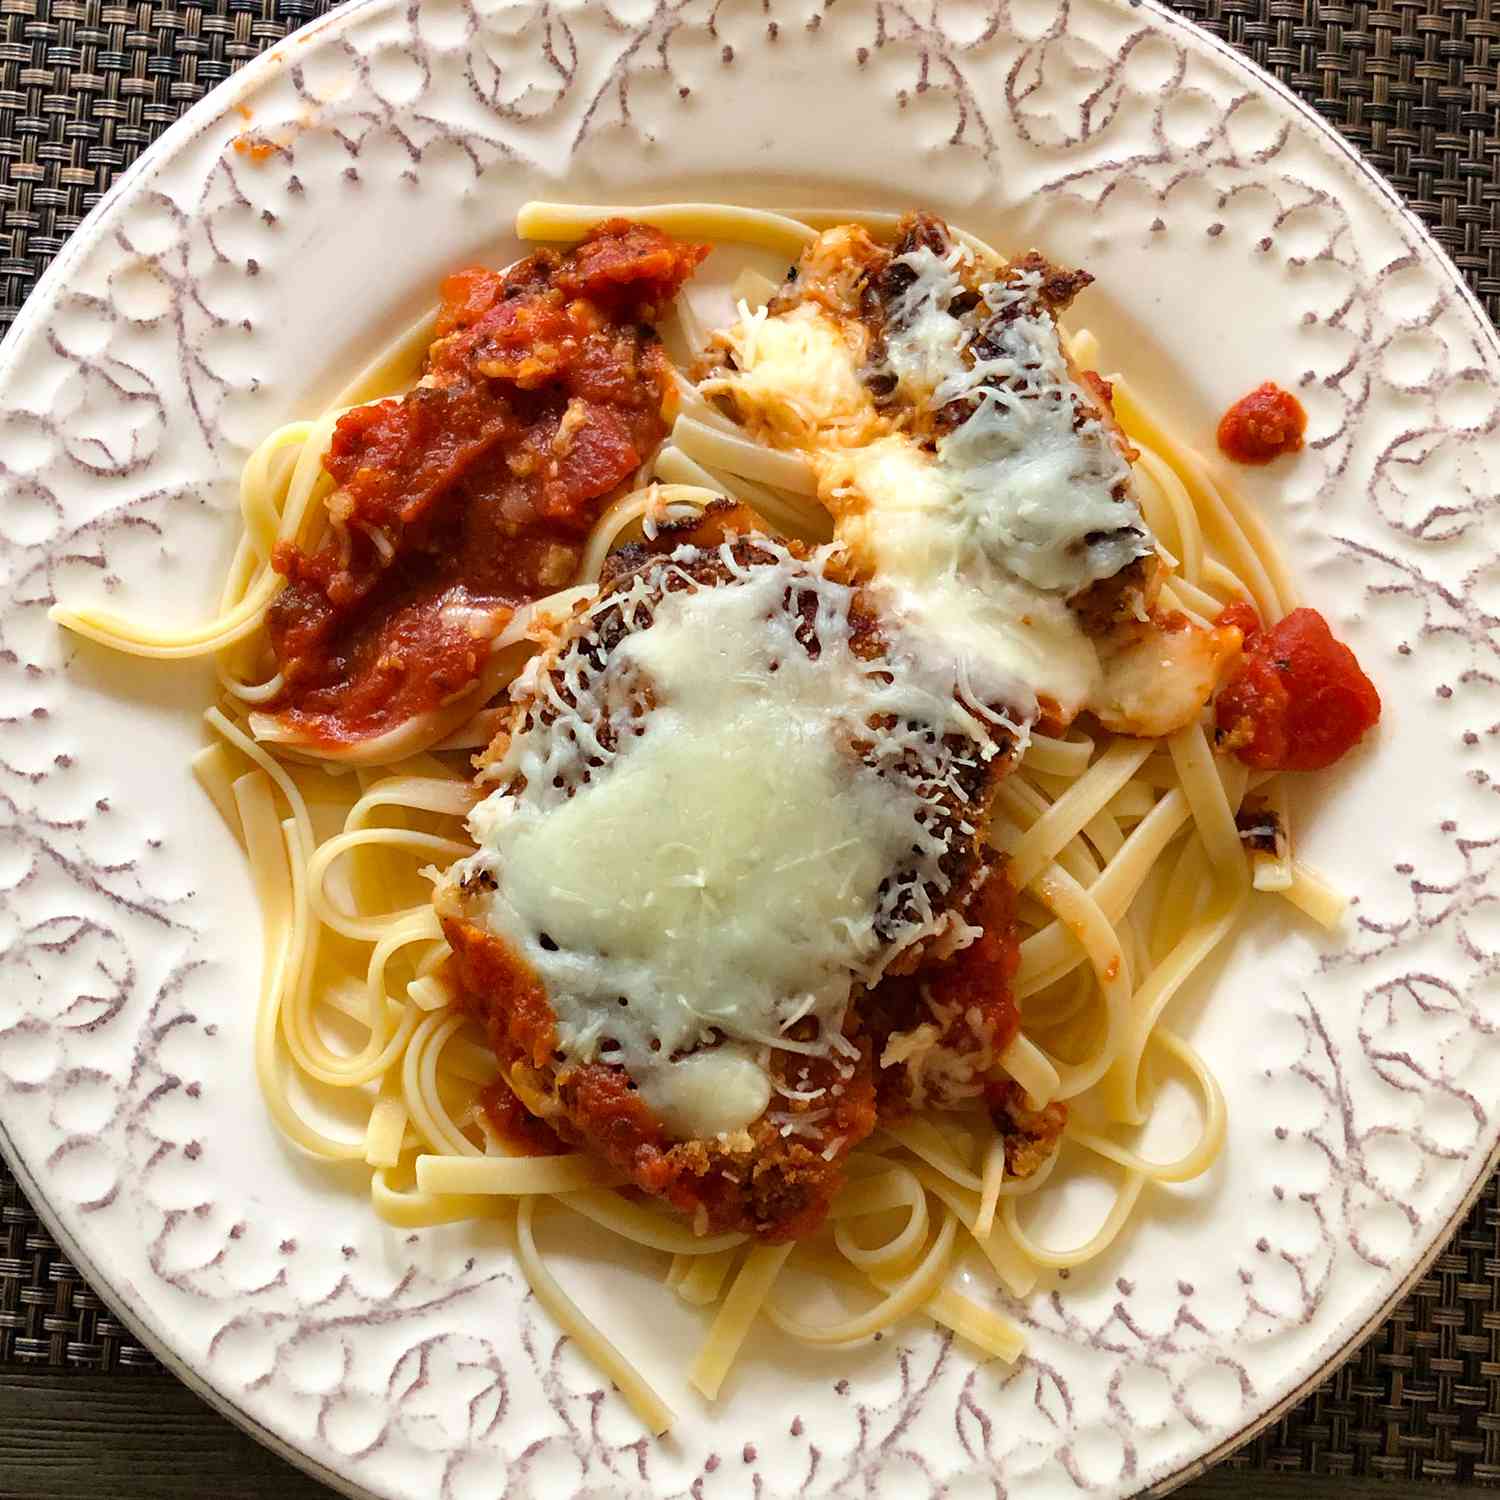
(85,86)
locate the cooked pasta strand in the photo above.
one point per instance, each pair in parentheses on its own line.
(747,1295)
(654,1413)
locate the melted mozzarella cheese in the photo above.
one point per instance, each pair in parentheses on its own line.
(728,867)
(1032,470)
(978,544)
(1029,491)
(799,375)
(1155,683)
(1008,643)
(1036,471)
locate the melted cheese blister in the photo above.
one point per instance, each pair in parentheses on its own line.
(727,868)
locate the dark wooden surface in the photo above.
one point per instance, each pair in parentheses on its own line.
(112,1437)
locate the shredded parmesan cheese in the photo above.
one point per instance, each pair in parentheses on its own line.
(636,858)
(979,539)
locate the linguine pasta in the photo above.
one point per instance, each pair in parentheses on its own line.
(1125,852)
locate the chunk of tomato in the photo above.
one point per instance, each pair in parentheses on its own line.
(1298,700)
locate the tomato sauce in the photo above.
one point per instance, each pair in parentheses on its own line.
(1262,426)
(514,1124)
(977,981)
(544,391)
(1298,700)
(510,997)
(256,147)
(601,1110)
(793,1179)
(973,988)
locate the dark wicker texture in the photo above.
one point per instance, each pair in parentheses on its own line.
(1413,83)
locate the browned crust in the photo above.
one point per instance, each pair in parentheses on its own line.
(1110,603)
(1031,1135)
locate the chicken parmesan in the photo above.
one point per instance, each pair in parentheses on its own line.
(764,798)
(731,801)
(976,475)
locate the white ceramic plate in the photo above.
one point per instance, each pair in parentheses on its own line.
(220,291)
